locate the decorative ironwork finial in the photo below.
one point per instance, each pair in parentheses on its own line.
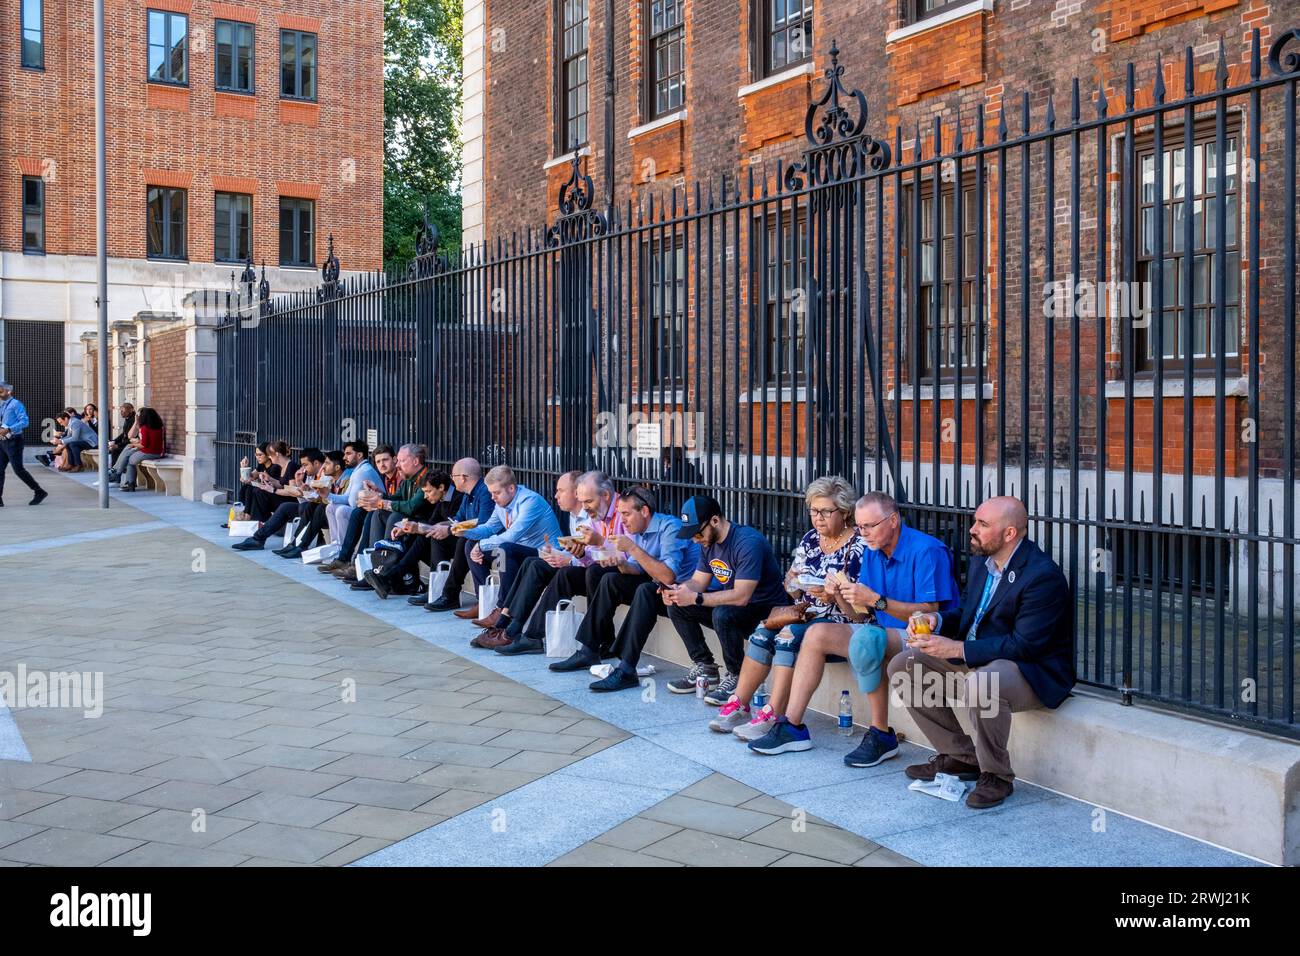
(838,148)
(329,273)
(263,290)
(577,219)
(248,277)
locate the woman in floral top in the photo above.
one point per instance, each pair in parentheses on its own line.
(831,545)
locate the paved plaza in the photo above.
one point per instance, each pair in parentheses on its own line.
(255,712)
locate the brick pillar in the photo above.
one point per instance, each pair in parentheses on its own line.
(201,314)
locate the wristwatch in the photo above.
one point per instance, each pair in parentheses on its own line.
(699,597)
(881,603)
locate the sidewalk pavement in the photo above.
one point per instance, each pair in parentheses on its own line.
(258,712)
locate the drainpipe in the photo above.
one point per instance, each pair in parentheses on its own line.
(609,102)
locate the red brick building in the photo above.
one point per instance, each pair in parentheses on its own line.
(234,131)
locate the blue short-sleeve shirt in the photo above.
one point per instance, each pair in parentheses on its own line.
(919,571)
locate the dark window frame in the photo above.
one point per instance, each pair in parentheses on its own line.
(779,294)
(914,10)
(22,35)
(169,17)
(297,96)
(1203,139)
(663,266)
(919,309)
(665,39)
(235,27)
(297,202)
(39,210)
(763,32)
(565,89)
(217,251)
(167,193)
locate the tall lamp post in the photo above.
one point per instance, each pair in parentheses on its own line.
(101,255)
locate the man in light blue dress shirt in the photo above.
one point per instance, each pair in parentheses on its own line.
(13,419)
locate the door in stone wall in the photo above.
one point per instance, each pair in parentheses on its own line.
(31,359)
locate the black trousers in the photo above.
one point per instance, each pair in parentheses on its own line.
(259,504)
(459,568)
(732,624)
(567,584)
(276,523)
(11,453)
(531,581)
(596,632)
(311,524)
(417,548)
(644,611)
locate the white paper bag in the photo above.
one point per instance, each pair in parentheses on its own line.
(363,562)
(326,552)
(244,529)
(438,579)
(562,630)
(488,595)
(290,532)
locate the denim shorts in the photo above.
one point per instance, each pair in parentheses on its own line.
(770,647)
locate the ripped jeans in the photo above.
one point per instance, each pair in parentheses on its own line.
(780,648)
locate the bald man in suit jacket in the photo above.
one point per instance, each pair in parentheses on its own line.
(1011,640)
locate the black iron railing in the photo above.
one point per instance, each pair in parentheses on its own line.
(1013,303)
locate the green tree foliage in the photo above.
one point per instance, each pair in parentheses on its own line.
(422,89)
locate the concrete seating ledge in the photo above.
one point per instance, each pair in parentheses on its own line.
(1232,787)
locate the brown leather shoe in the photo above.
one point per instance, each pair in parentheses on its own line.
(943,763)
(329,567)
(492,620)
(492,638)
(347,575)
(467,613)
(989,792)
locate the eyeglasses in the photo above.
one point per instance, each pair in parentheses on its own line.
(864,528)
(822,512)
(639,495)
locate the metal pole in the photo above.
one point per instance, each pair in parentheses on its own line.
(101,254)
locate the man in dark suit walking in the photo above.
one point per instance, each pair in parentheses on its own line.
(1011,641)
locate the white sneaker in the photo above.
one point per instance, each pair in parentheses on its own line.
(758,726)
(731,715)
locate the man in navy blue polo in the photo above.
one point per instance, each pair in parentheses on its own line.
(903,571)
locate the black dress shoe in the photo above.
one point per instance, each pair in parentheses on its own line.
(292,553)
(248,544)
(523,645)
(419,600)
(377,584)
(362,585)
(443,604)
(579,660)
(618,679)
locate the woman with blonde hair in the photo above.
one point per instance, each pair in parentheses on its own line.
(831,545)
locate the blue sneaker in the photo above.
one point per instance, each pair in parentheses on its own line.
(877,746)
(784,737)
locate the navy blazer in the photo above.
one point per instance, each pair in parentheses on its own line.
(1029,620)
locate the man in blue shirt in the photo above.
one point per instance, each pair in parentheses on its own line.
(521,522)
(648,555)
(13,420)
(525,634)
(476,504)
(904,571)
(749,584)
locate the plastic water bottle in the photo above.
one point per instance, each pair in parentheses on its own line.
(846,714)
(759,700)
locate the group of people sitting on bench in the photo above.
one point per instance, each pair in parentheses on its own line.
(863,587)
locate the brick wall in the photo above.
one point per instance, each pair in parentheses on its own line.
(167,385)
(193,136)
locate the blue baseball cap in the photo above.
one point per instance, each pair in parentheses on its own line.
(696,513)
(866,654)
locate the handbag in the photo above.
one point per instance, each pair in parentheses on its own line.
(363,562)
(326,552)
(562,630)
(291,531)
(786,615)
(488,593)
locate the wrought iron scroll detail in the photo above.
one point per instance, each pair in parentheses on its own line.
(427,261)
(577,221)
(329,274)
(839,150)
(1285,64)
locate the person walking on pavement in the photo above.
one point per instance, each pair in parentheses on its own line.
(13,419)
